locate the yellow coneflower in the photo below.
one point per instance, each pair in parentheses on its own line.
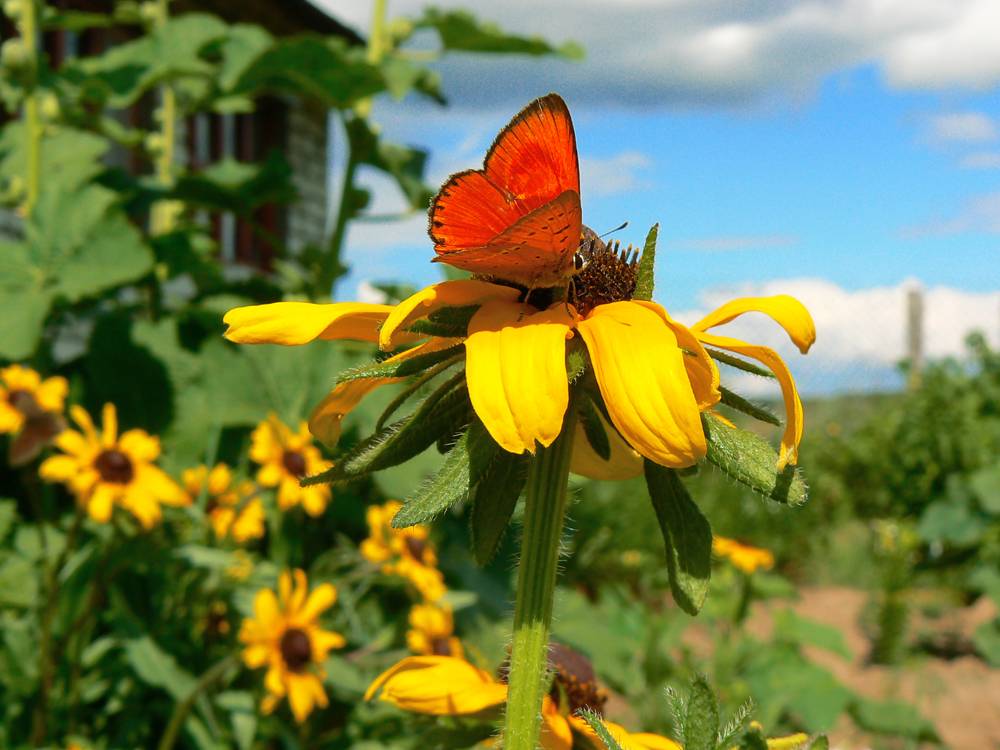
(402,552)
(743,556)
(241,566)
(104,469)
(654,374)
(451,686)
(232,509)
(24,394)
(284,636)
(285,457)
(432,631)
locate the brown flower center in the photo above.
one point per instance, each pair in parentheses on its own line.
(296,650)
(574,675)
(608,274)
(114,466)
(294,463)
(441,646)
(416,548)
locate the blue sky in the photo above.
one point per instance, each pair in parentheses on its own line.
(837,145)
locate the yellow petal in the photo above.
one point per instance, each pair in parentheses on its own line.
(110,424)
(786,311)
(516,372)
(702,370)
(556,733)
(82,418)
(457,293)
(788,742)
(265,608)
(625,739)
(794,415)
(59,468)
(51,394)
(325,422)
(304,691)
(624,462)
(324,640)
(256,656)
(320,600)
(292,323)
(641,373)
(438,685)
(101,503)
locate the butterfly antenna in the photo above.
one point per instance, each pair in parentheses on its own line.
(612,231)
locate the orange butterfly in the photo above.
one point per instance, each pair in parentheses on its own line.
(518,218)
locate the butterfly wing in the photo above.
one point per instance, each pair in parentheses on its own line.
(536,251)
(530,167)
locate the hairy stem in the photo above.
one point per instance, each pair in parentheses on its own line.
(544,511)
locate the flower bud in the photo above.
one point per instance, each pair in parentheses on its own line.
(14,53)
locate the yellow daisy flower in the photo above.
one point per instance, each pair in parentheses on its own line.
(402,552)
(105,469)
(743,557)
(451,686)
(30,410)
(232,509)
(23,394)
(432,629)
(285,457)
(654,374)
(284,636)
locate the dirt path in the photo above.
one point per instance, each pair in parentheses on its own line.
(961,696)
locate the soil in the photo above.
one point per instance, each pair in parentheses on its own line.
(959,694)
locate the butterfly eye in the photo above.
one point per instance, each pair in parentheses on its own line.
(579,260)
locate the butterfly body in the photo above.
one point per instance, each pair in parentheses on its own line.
(519,217)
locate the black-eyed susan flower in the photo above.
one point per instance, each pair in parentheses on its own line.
(407,553)
(233,509)
(285,457)
(31,410)
(654,375)
(432,631)
(104,470)
(284,636)
(742,556)
(452,686)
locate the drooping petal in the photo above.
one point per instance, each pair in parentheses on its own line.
(625,739)
(624,462)
(794,415)
(516,372)
(325,421)
(641,373)
(458,293)
(304,691)
(438,685)
(293,323)
(701,368)
(786,311)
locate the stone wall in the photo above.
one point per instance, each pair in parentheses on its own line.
(307,155)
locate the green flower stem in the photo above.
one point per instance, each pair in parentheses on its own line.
(32,120)
(183,708)
(544,511)
(163,216)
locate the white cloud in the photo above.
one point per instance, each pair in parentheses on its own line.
(963,127)
(716,52)
(981,160)
(621,173)
(860,334)
(724,243)
(980,214)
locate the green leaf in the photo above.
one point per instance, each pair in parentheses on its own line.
(328,71)
(441,413)
(701,722)
(404,164)
(18,582)
(156,667)
(892,718)
(986,639)
(464,465)
(493,502)
(401,369)
(230,185)
(951,521)
(70,158)
(738,363)
(597,724)
(753,739)
(736,401)
(460,31)
(647,262)
(749,460)
(802,631)
(8,517)
(687,537)
(593,428)
(985,485)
